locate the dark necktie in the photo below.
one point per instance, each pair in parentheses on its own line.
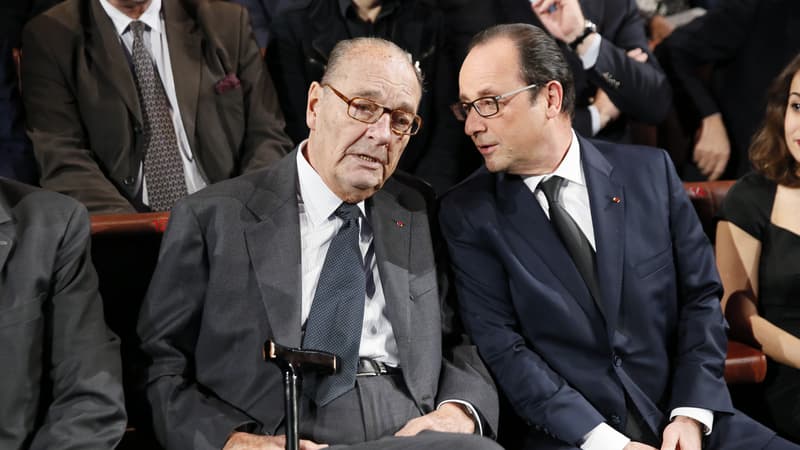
(163,168)
(337,312)
(571,235)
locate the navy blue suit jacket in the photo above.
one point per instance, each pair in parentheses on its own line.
(564,362)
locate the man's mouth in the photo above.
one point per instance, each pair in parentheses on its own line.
(368,159)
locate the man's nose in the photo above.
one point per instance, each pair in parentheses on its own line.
(473,123)
(381,130)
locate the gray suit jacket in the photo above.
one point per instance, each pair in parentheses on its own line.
(62,382)
(228,278)
(83,110)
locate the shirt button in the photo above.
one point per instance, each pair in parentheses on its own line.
(373,330)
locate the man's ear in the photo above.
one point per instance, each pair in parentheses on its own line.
(314,92)
(554,94)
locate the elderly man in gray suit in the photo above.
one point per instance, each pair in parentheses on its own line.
(259,257)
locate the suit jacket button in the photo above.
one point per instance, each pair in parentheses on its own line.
(128,181)
(617,361)
(615,420)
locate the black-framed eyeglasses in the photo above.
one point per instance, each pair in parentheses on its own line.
(484,106)
(367,111)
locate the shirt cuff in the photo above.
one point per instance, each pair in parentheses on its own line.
(589,57)
(603,437)
(594,114)
(702,415)
(472,412)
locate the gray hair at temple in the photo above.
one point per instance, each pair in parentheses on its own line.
(337,60)
(540,58)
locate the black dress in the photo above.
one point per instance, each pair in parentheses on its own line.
(748,205)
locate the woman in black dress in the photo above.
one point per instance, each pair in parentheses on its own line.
(758,251)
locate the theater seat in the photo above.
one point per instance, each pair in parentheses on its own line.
(744,364)
(124,252)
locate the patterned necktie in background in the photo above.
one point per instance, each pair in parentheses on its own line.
(337,311)
(163,168)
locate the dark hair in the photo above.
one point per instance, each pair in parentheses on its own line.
(343,49)
(768,150)
(540,58)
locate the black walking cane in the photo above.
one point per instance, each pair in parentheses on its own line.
(292,362)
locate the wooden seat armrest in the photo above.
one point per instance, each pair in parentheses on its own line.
(129,223)
(744,364)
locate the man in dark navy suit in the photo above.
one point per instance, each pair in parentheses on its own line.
(584,276)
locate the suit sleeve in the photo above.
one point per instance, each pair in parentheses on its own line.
(699,362)
(186,415)
(265,141)
(88,409)
(715,37)
(464,375)
(55,127)
(639,90)
(537,393)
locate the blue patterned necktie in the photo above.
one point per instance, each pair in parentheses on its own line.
(337,312)
(163,167)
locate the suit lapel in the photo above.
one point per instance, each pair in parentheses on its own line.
(607,202)
(186,56)
(520,207)
(392,248)
(106,51)
(273,244)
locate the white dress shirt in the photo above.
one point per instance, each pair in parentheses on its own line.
(155,41)
(574,196)
(318,226)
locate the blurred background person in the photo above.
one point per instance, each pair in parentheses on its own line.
(617,79)
(758,247)
(720,66)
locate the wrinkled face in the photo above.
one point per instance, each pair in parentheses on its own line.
(791,121)
(507,141)
(354,158)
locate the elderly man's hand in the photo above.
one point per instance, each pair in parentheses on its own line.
(712,149)
(246,441)
(449,418)
(684,433)
(561,18)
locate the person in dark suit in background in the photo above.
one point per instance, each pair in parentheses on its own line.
(746,43)
(16,154)
(132,104)
(583,274)
(261,14)
(306,31)
(62,381)
(251,259)
(617,79)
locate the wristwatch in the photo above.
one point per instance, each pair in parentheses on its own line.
(588,28)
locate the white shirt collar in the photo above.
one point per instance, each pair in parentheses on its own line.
(151,16)
(318,200)
(570,168)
